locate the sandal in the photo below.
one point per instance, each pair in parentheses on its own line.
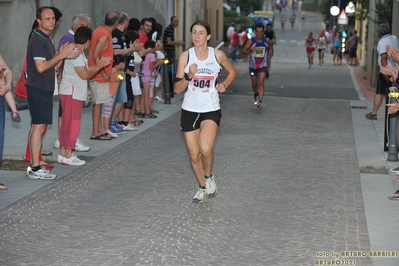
(394,196)
(135,123)
(15,117)
(371,116)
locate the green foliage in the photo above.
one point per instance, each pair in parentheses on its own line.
(232,16)
(383,11)
(246,4)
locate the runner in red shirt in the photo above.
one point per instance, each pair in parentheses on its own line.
(310,44)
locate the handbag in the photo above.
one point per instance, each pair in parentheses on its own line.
(90,99)
(20,88)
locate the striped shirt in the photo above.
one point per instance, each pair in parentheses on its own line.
(169,32)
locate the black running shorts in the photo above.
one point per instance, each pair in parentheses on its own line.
(254,72)
(191,121)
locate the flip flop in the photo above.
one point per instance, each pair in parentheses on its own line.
(3,187)
(47,153)
(101,137)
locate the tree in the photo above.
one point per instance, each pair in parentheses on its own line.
(247,4)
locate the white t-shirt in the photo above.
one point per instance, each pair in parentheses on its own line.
(72,83)
(390,40)
(230,31)
(201,95)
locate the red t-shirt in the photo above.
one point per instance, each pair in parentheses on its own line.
(235,38)
(143,37)
(107,52)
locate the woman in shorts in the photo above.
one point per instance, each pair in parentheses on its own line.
(197,73)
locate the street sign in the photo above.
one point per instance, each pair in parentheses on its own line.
(342,18)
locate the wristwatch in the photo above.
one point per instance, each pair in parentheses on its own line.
(187,77)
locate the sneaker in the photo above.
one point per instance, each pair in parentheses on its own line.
(41,174)
(60,158)
(256,98)
(56,144)
(73,160)
(395,170)
(211,187)
(259,107)
(129,127)
(80,146)
(112,135)
(115,128)
(199,196)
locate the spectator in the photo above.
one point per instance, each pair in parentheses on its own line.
(77,22)
(120,47)
(229,32)
(149,64)
(114,80)
(73,93)
(353,49)
(383,83)
(169,42)
(235,42)
(4,89)
(9,97)
(40,85)
(101,46)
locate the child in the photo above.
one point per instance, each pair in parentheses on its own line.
(114,80)
(155,81)
(149,64)
(9,97)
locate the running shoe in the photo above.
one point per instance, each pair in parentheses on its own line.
(259,107)
(41,174)
(60,158)
(199,196)
(210,187)
(56,144)
(256,98)
(129,127)
(115,128)
(73,160)
(112,135)
(80,146)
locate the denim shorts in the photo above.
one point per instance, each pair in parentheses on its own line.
(121,96)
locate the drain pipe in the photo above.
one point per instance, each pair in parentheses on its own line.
(393,124)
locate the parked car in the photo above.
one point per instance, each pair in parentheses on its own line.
(260,19)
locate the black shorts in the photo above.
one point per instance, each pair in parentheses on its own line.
(352,52)
(382,85)
(191,121)
(40,105)
(254,72)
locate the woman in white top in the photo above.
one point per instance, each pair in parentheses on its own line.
(197,71)
(73,92)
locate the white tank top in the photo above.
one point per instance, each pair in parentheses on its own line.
(201,95)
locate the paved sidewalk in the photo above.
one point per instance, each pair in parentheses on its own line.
(290,192)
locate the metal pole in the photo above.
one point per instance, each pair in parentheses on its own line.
(393,123)
(166,73)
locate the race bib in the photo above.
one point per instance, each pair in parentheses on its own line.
(202,83)
(259,52)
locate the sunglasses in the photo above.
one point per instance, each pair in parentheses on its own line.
(2,70)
